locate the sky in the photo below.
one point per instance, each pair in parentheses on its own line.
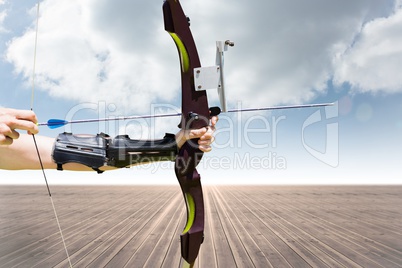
(113,58)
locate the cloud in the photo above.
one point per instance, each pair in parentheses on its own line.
(3,15)
(98,52)
(285,51)
(373,62)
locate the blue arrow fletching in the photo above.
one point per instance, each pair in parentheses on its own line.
(56,123)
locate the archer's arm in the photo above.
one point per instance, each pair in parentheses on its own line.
(21,154)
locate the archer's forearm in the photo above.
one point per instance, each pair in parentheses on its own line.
(21,154)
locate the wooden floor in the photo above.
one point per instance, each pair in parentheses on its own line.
(246,226)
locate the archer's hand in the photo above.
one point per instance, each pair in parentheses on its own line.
(205,136)
(12,119)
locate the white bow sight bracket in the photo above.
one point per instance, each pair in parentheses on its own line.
(213,77)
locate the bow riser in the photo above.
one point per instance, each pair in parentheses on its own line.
(195,114)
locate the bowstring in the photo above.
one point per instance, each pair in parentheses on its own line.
(36,144)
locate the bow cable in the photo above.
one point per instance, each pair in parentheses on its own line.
(36,145)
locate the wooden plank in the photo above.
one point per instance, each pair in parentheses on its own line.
(302,246)
(329,224)
(160,250)
(238,249)
(222,253)
(207,255)
(246,226)
(252,246)
(119,252)
(158,229)
(112,215)
(280,254)
(322,230)
(116,222)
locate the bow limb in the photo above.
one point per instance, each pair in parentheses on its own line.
(195,114)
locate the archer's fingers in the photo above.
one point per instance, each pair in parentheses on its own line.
(209,134)
(205,148)
(205,142)
(29,126)
(205,145)
(214,120)
(18,119)
(205,132)
(4,140)
(197,133)
(7,134)
(26,115)
(13,134)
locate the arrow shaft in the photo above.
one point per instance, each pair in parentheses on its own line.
(80,121)
(112,119)
(281,107)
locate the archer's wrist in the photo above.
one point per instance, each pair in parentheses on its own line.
(180,138)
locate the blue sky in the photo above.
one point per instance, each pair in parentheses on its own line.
(96,59)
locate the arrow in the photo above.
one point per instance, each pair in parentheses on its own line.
(56,123)
(282,107)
